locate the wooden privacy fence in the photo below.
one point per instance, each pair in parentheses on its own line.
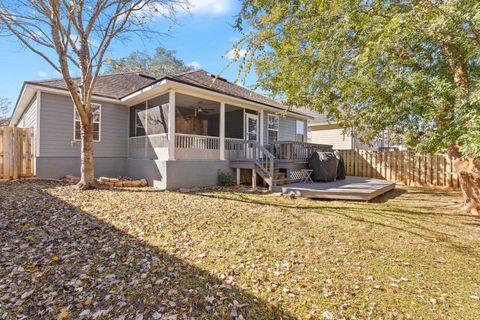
(402,166)
(16,153)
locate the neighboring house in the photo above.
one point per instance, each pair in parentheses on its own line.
(321,129)
(177,131)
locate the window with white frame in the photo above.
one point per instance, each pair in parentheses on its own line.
(300,131)
(272,128)
(96,120)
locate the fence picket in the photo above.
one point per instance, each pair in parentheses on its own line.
(402,166)
(16,154)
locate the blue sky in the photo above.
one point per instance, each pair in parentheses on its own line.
(201,38)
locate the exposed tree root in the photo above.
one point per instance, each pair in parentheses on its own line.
(82,185)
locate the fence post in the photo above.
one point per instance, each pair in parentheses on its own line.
(26,152)
(6,153)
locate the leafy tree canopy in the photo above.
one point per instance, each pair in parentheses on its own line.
(411,66)
(163,62)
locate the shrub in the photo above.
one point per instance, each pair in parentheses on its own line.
(225,178)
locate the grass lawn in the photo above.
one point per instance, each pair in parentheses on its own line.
(228,253)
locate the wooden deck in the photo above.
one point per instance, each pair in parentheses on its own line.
(352,188)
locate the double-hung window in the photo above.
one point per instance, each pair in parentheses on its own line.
(300,131)
(272,128)
(96,122)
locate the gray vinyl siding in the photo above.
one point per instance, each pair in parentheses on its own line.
(287,128)
(29,120)
(57,129)
(29,117)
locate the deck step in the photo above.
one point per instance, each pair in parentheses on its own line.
(279,175)
(281,181)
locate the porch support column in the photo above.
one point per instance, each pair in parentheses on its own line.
(222,131)
(171,125)
(261,126)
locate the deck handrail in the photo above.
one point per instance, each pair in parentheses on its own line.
(297,151)
(251,150)
(240,149)
(318,145)
(265,161)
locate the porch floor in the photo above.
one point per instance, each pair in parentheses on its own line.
(352,188)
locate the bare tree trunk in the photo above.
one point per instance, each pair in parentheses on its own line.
(87,178)
(468,172)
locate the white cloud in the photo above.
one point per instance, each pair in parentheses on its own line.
(215,7)
(235,54)
(195,64)
(194,7)
(42,74)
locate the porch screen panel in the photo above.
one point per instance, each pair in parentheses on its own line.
(234,122)
(157,115)
(138,117)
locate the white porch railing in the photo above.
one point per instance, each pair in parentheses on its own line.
(195,147)
(190,141)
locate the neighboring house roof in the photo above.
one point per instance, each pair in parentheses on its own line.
(114,86)
(318,118)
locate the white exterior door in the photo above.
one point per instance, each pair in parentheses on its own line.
(251,133)
(251,127)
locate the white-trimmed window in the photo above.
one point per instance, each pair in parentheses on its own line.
(96,122)
(300,131)
(272,128)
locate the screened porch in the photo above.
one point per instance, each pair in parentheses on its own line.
(198,128)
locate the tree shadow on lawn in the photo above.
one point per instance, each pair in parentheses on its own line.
(402,220)
(59,261)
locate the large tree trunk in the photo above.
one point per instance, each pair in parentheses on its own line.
(468,172)
(87,178)
(469,176)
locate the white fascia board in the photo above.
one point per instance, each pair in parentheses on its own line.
(146,93)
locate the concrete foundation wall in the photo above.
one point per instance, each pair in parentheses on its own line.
(148,169)
(194,173)
(168,175)
(58,167)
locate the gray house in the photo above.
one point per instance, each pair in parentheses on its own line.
(177,131)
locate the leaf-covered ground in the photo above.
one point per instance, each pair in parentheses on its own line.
(228,253)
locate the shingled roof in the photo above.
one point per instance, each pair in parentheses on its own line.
(114,86)
(204,79)
(120,85)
